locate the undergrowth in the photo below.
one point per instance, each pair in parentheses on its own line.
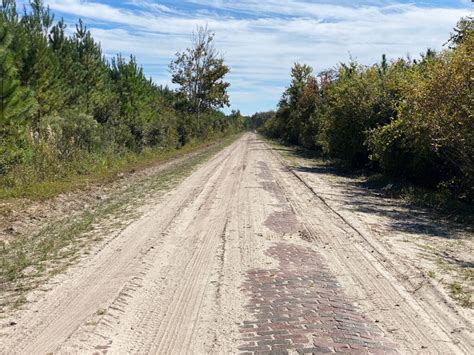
(42,180)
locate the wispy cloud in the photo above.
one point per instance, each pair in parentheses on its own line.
(262,39)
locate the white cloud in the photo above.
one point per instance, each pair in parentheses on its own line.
(150,5)
(261,46)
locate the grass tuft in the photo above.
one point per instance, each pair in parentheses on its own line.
(460,294)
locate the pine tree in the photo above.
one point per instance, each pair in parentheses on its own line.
(15,105)
(132,88)
(92,85)
(63,49)
(48,84)
(89,71)
(8,10)
(40,69)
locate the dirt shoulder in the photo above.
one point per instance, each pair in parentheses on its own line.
(430,258)
(42,238)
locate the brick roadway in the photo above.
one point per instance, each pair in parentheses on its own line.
(299,307)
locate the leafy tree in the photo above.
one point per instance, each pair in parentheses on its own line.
(291,117)
(464,29)
(309,108)
(199,71)
(349,113)
(430,140)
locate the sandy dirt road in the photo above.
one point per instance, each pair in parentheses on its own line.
(243,256)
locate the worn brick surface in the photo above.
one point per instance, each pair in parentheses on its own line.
(300,308)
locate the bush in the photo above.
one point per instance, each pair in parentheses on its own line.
(14,150)
(351,111)
(432,139)
(162,132)
(71,134)
(402,155)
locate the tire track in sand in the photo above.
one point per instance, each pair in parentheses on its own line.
(89,286)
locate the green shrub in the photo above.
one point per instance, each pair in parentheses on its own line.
(432,139)
(401,154)
(72,133)
(350,113)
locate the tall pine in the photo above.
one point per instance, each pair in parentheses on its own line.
(41,69)
(16,105)
(91,80)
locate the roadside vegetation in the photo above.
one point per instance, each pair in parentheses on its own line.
(67,112)
(406,120)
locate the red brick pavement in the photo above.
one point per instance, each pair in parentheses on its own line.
(300,307)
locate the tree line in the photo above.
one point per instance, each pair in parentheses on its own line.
(410,119)
(65,107)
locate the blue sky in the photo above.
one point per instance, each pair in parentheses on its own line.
(261,39)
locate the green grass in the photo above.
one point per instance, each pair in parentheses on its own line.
(28,182)
(28,260)
(460,294)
